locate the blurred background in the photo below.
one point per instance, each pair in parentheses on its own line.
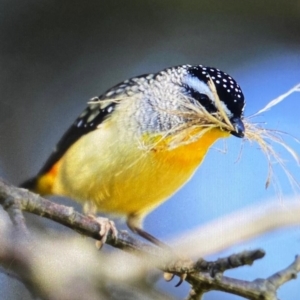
(56,55)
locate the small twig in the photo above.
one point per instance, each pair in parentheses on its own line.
(262,289)
(13,207)
(230,262)
(196,293)
(17,266)
(281,277)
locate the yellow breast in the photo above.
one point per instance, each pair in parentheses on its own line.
(123,178)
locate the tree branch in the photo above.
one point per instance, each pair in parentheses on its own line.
(11,196)
(203,276)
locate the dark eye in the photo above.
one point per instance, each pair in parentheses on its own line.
(204,101)
(201,97)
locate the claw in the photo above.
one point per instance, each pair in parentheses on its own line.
(168,276)
(181,280)
(106,225)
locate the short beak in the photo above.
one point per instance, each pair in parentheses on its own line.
(239,128)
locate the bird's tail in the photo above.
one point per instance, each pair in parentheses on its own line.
(40,184)
(30,184)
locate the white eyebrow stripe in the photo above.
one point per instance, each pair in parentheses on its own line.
(198,85)
(201,87)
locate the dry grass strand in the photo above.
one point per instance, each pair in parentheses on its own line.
(197,117)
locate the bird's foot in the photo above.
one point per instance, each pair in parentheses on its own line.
(106,226)
(181,267)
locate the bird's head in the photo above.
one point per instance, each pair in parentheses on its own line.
(205,84)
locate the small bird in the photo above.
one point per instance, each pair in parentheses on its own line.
(134,146)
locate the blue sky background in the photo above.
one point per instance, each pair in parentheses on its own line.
(55,56)
(234,185)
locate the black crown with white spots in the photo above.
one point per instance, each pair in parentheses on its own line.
(227,88)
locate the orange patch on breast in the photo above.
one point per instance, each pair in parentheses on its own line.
(45,182)
(191,155)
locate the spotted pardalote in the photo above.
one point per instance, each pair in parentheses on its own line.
(135,145)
